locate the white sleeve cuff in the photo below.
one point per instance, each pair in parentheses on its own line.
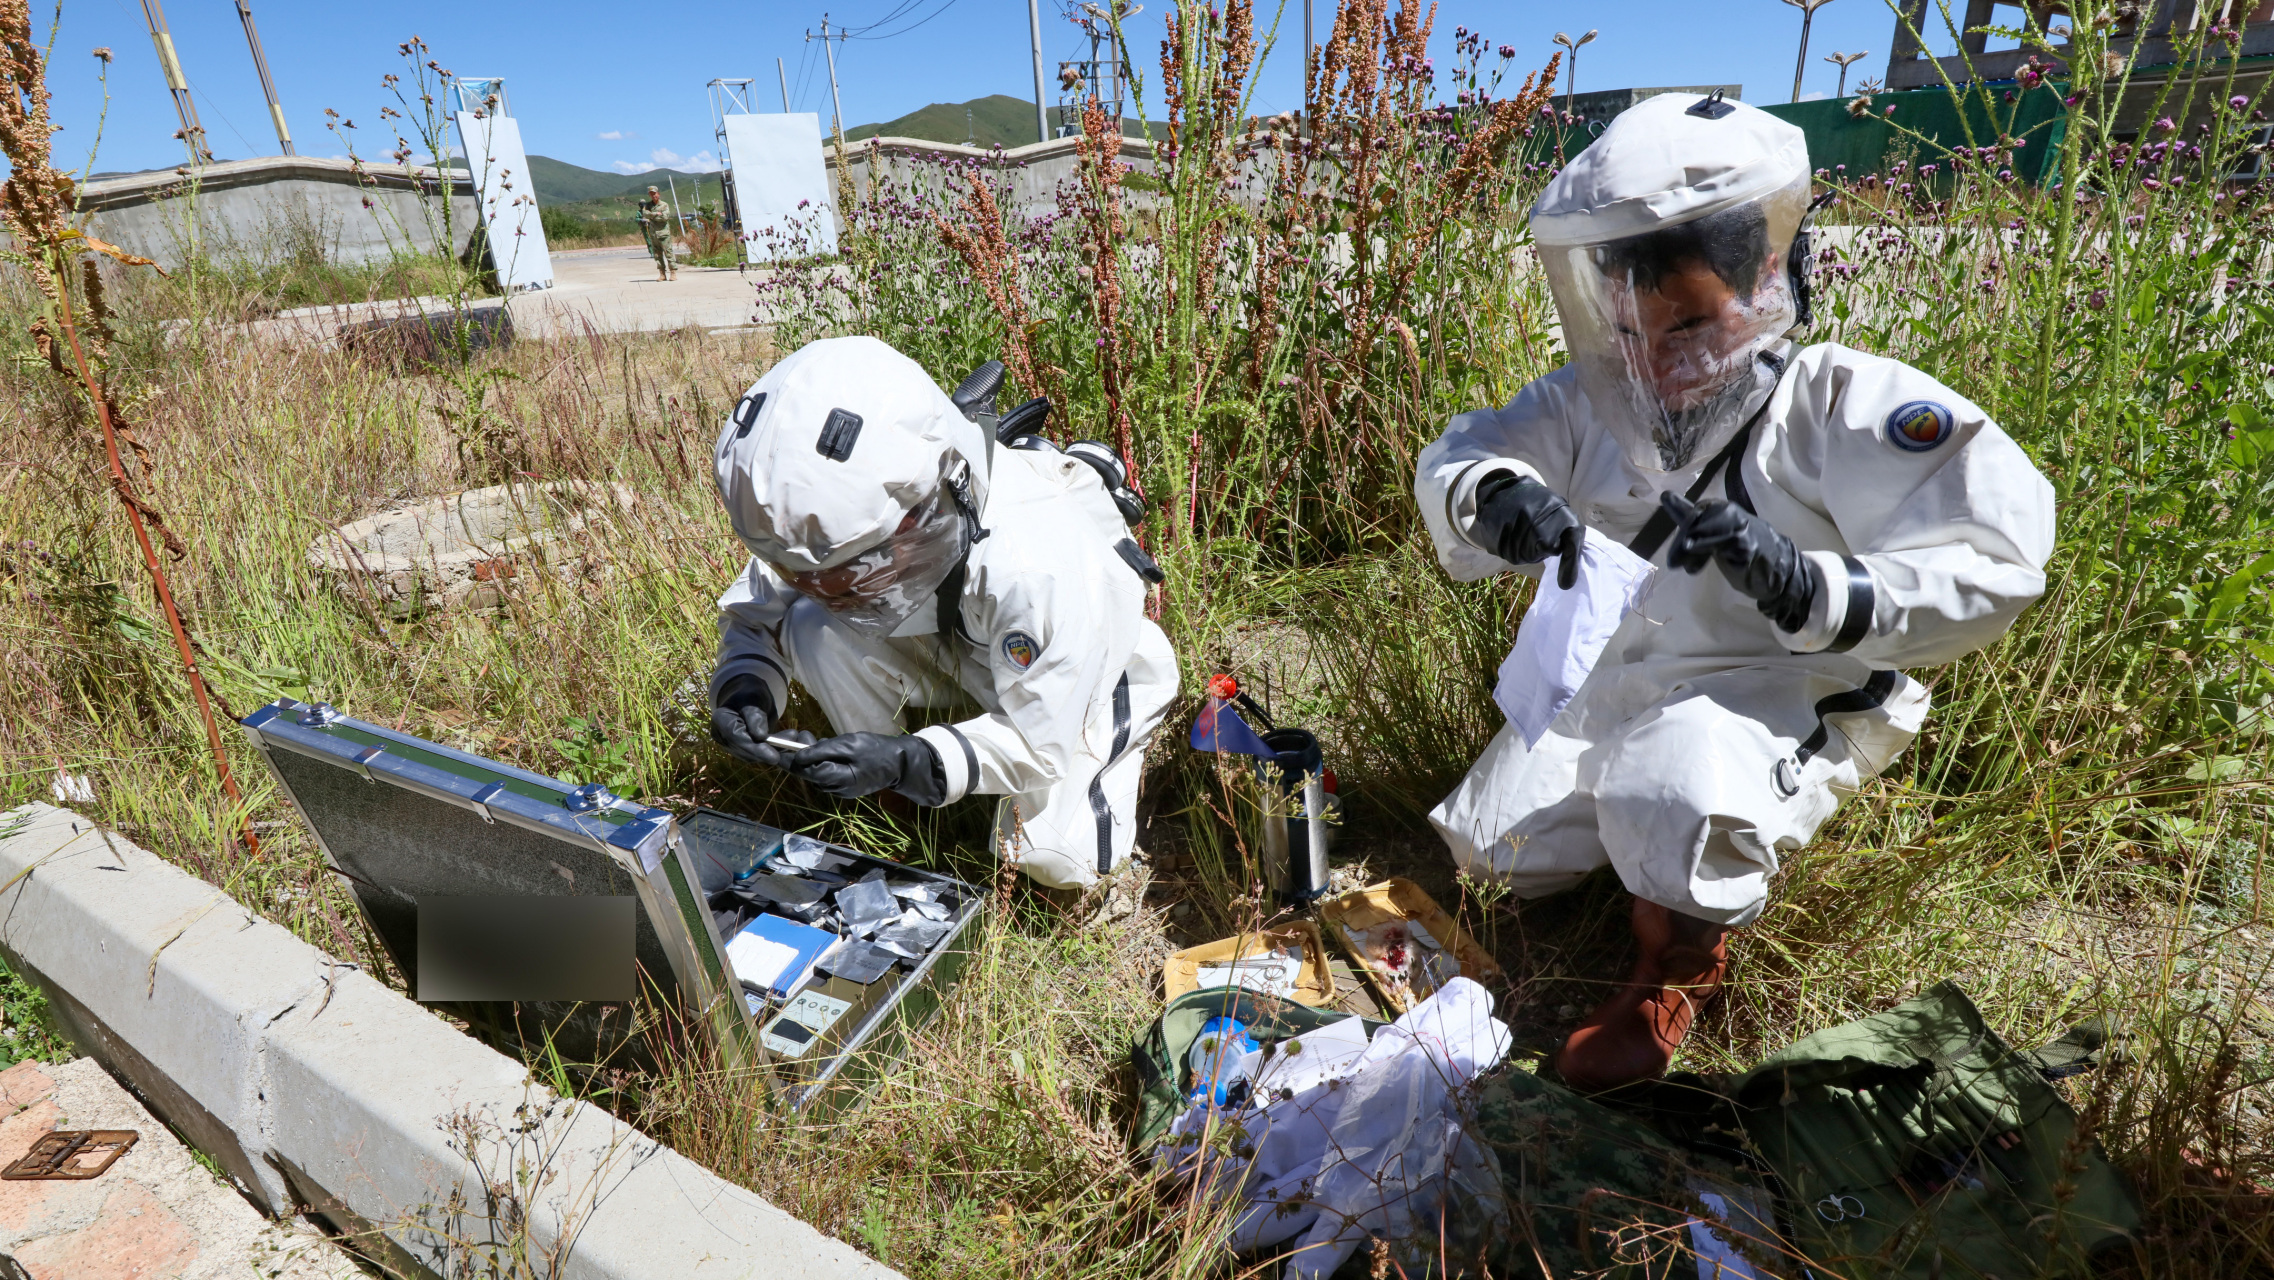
(958,762)
(1841,614)
(1461,497)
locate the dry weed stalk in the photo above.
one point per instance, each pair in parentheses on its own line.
(1099,205)
(35,205)
(984,248)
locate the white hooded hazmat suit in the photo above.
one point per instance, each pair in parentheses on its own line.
(1707,740)
(1046,636)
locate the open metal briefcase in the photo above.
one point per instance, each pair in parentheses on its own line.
(399,818)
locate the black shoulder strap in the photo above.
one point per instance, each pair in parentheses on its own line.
(949,604)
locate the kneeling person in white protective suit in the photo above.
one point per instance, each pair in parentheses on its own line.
(1861,517)
(902,557)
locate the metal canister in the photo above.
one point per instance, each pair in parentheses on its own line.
(1296,818)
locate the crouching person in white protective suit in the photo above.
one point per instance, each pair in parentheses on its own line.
(901,557)
(1860,517)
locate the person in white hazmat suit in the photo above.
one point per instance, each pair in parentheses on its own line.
(901,557)
(1861,518)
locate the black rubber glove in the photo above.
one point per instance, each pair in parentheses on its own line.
(1756,559)
(741,717)
(861,764)
(1523,522)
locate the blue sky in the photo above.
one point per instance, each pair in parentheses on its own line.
(621,85)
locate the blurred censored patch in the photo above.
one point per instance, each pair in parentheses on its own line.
(1919,426)
(526,947)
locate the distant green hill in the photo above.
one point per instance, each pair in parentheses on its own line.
(995,120)
(559,182)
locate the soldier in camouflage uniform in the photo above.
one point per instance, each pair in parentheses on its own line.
(656,219)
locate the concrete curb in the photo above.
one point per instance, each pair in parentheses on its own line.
(321,1090)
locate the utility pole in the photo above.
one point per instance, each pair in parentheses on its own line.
(1034,28)
(1306,53)
(268,86)
(845,192)
(784,77)
(193,133)
(836,103)
(1808,10)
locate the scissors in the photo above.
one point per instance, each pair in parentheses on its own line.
(1839,1208)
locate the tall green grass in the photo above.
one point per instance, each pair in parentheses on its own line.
(1273,326)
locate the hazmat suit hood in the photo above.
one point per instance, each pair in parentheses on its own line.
(852,474)
(1667,244)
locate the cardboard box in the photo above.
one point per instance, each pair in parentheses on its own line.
(1403,943)
(1313,979)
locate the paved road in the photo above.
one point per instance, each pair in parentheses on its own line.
(615,291)
(609,290)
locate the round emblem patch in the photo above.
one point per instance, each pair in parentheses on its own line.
(1020,648)
(1919,426)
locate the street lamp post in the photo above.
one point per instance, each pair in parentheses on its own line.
(1844,59)
(1571,78)
(1808,10)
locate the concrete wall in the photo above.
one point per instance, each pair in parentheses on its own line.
(267,209)
(1036,170)
(320,1090)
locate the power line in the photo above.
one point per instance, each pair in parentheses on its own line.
(804,74)
(906,6)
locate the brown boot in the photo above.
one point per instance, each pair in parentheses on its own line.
(1633,1035)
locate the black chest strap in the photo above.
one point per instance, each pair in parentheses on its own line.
(949,604)
(1730,462)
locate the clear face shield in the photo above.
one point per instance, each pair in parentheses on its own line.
(884,586)
(1667,327)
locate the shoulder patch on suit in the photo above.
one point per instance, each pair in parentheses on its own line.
(1020,649)
(1919,425)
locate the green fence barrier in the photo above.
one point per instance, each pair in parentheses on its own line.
(1869,143)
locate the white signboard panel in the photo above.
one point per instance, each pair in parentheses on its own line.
(507,199)
(781,186)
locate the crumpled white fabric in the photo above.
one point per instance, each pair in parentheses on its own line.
(1373,1145)
(1564,632)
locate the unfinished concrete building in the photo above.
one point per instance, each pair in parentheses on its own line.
(2151,34)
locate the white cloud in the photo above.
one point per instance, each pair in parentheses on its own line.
(616,135)
(1814,95)
(665,158)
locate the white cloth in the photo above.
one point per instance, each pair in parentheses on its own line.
(1373,1143)
(1062,734)
(1678,763)
(1564,632)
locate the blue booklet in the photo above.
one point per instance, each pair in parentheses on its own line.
(776,955)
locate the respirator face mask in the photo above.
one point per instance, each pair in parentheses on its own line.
(879,589)
(1668,327)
